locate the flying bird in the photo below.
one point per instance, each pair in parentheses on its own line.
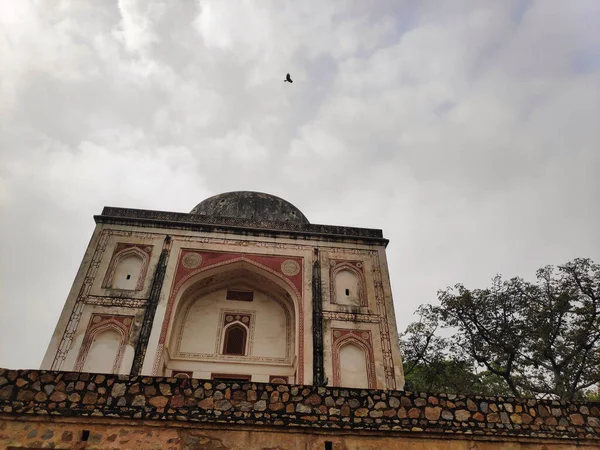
(288,79)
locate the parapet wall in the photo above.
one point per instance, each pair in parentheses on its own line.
(26,393)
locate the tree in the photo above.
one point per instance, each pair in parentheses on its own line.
(430,364)
(530,339)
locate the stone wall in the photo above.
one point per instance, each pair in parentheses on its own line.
(35,395)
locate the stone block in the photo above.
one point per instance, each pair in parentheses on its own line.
(462,415)
(414,413)
(433,413)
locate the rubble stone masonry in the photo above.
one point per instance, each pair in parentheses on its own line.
(48,409)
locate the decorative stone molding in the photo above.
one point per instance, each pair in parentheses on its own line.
(351,317)
(144,217)
(360,338)
(191,260)
(290,267)
(116,301)
(354,267)
(122,251)
(98,324)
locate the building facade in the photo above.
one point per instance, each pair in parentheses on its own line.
(241,288)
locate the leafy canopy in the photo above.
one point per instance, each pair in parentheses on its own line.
(537,338)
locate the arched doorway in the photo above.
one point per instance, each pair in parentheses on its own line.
(234,321)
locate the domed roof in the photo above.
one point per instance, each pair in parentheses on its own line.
(250,205)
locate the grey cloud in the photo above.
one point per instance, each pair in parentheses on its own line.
(466,131)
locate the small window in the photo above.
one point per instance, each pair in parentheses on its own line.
(243,296)
(229,377)
(235,340)
(347,291)
(328,445)
(129,277)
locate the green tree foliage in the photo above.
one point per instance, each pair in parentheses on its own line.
(528,339)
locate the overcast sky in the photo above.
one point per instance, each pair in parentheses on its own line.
(469,131)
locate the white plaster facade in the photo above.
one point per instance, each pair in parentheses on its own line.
(202,263)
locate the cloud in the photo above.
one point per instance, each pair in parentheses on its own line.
(467,131)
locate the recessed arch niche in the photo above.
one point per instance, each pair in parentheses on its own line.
(347,284)
(204,319)
(127,269)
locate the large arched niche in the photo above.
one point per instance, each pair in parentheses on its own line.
(197,329)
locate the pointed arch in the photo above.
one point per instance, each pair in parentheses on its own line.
(360,339)
(99,324)
(355,283)
(235,339)
(210,277)
(118,259)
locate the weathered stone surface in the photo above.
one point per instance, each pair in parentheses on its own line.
(260,405)
(420,402)
(118,389)
(301,408)
(90,398)
(225,405)
(27,396)
(478,416)
(207,403)
(159,402)
(414,413)
(150,390)
(6,392)
(177,401)
(61,396)
(361,412)
(550,421)
(447,415)
(543,411)
(576,419)
(314,400)
(433,413)
(138,400)
(526,418)
(188,400)
(471,406)
(276,406)
(594,422)
(462,415)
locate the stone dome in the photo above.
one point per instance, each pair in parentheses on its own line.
(250,205)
